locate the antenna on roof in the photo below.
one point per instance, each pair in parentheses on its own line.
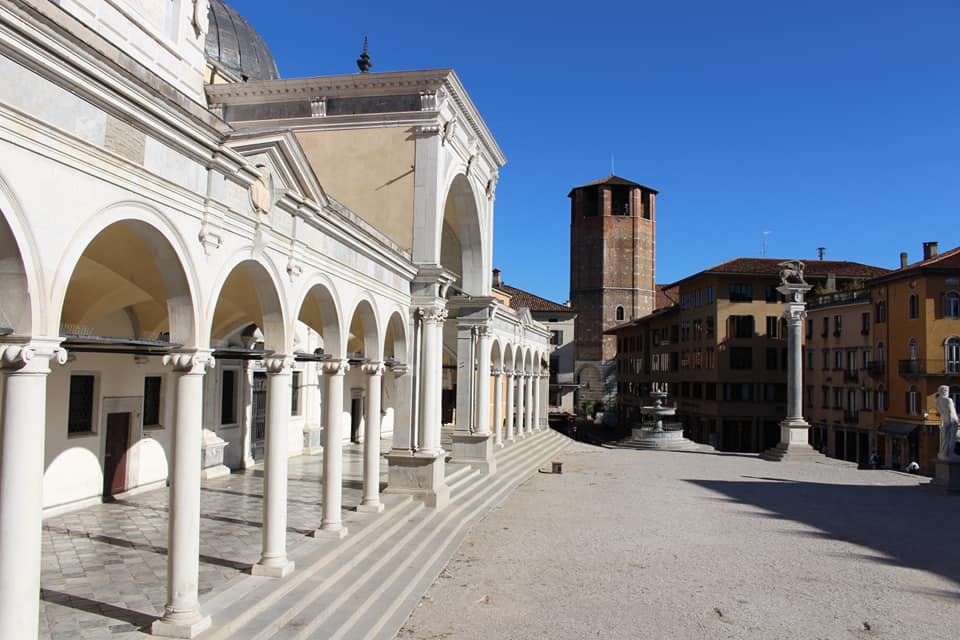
(763,243)
(820,252)
(612,170)
(364,60)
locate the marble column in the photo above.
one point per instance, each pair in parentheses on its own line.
(528,402)
(794,429)
(430,414)
(545,400)
(331,523)
(511,407)
(182,617)
(273,559)
(475,446)
(25,367)
(537,401)
(521,415)
(420,471)
(371,440)
(498,406)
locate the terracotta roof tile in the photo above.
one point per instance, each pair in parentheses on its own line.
(520,298)
(814,268)
(946,260)
(613,180)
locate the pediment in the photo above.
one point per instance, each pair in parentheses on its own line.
(288,167)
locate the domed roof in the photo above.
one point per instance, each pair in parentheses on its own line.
(233,45)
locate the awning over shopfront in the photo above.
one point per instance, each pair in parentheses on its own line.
(898,429)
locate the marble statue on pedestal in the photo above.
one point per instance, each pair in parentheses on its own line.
(948,425)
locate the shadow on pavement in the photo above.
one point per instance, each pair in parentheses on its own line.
(908,526)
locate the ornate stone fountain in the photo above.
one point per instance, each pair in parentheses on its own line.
(654,433)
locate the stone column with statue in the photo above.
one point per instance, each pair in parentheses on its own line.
(793,445)
(947,478)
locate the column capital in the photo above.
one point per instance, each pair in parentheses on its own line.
(335,367)
(373,368)
(399,368)
(32,355)
(482,331)
(496,372)
(278,363)
(195,361)
(435,313)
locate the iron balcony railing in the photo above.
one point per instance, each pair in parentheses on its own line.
(928,367)
(851,375)
(875,369)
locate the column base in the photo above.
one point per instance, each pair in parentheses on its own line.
(793,445)
(180,626)
(218,471)
(333,533)
(947,480)
(420,475)
(312,442)
(278,570)
(370,508)
(475,450)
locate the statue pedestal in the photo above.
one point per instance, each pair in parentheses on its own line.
(793,446)
(947,479)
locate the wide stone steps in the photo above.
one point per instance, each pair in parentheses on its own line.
(366,585)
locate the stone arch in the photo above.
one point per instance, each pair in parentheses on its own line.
(460,237)
(249,291)
(496,354)
(395,338)
(21,278)
(104,283)
(508,356)
(363,336)
(319,309)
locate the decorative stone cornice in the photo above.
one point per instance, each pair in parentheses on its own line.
(195,362)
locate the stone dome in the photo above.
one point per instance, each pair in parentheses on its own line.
(234,46)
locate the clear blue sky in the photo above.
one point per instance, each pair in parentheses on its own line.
(826,123)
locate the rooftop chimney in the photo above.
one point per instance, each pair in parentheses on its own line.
(930,250)
(496,278)
(820,252)
(903,259)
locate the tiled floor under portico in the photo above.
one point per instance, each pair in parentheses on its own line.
(104,567)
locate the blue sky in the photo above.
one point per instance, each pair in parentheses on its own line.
(832,124)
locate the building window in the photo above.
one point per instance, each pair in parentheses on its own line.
(913,350)
(80,410)
(810,396)
(228,396)
(151,402)
(867,396)
(826,359)
(865,323)
(685,301)
(709,325)
(838,397)
(852,361)
(556,337)
(741,327)
(879,352)
(619,313)
(837,326)
(741,292)
(951,305)
(773,328)
(953,355)
(771,358)
(838,360)
(295,393)
(809,328)
(741,358)
(771,294)
(710,359)
(881,398)
(810,357)
(826,327)
(709,295)
(825,391)
(955,396)
(881,312)
(913,311)
(913,400)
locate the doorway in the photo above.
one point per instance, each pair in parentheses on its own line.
(259,411)
(115,455)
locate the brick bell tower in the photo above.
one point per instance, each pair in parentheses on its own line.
(612,261)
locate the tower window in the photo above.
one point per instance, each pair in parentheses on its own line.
(619,313)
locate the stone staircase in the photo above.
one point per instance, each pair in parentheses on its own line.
(366,585)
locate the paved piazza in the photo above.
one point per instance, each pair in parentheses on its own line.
(643,544)
(105,567)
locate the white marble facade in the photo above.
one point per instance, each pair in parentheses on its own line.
(166,272)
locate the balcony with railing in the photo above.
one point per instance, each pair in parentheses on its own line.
(929,367)
(851,375)
(875,369)
(851,416)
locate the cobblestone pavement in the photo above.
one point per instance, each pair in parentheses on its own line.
(698,545)
(104,567)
